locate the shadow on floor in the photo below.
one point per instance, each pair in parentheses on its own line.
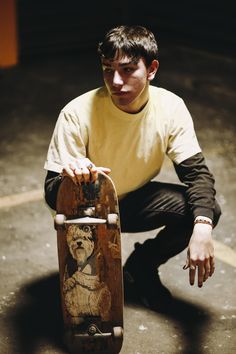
(192,322)
(37,319)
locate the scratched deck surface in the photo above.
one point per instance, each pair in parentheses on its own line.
(90,266)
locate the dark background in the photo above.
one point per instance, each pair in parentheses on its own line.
(57,44)
(69,26)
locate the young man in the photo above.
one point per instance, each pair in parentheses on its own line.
(127,127)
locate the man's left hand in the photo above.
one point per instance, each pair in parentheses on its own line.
(200,255)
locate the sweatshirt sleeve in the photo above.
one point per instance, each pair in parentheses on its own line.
(194,173)
(68,142)
(182,139)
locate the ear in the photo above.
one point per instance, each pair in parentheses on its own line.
(152,69)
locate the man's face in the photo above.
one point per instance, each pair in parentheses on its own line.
(127,82)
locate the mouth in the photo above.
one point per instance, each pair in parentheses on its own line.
(77,247)
(79,251)
(119,93)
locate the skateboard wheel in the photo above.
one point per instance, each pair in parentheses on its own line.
(92,330)
(117,332)
(112,219)
(60,219)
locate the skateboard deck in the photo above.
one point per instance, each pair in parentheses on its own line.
(90,267)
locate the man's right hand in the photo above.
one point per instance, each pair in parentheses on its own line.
(83,171)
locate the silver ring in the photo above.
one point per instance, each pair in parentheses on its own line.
(90,166)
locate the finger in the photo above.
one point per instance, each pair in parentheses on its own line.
(78,175)
(186,266)
(207,270)
(212,266)
(201,272)
(82,170)
(192,273)
(187,263)
(67,171)
(93,174)
(86,174)
(105,170)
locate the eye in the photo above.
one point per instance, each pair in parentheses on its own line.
(86,229)
(107,70)
(128,69)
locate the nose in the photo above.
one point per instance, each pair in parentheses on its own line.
(79,243)
(117,79)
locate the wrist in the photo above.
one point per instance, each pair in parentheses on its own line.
(203,220)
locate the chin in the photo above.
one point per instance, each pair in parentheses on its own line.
(121,101)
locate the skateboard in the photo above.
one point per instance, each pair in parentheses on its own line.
(89,253)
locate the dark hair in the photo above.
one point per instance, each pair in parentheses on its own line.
(134,41)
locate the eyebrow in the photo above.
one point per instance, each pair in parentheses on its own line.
(131,62)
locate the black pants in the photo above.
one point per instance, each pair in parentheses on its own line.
(155,205)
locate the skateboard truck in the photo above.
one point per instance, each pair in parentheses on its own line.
(94,331)
(94,340)
(61,220)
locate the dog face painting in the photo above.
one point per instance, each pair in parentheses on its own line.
(80,241)
(85,293)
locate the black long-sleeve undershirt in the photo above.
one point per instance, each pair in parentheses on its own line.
(51,186)
(193,172)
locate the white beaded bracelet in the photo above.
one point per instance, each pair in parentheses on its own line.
(203,221)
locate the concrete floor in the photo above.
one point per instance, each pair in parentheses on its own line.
(31,96)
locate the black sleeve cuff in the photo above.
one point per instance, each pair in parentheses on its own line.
(51,186)
(200,211)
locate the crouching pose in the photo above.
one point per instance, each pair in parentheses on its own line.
(127,127)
